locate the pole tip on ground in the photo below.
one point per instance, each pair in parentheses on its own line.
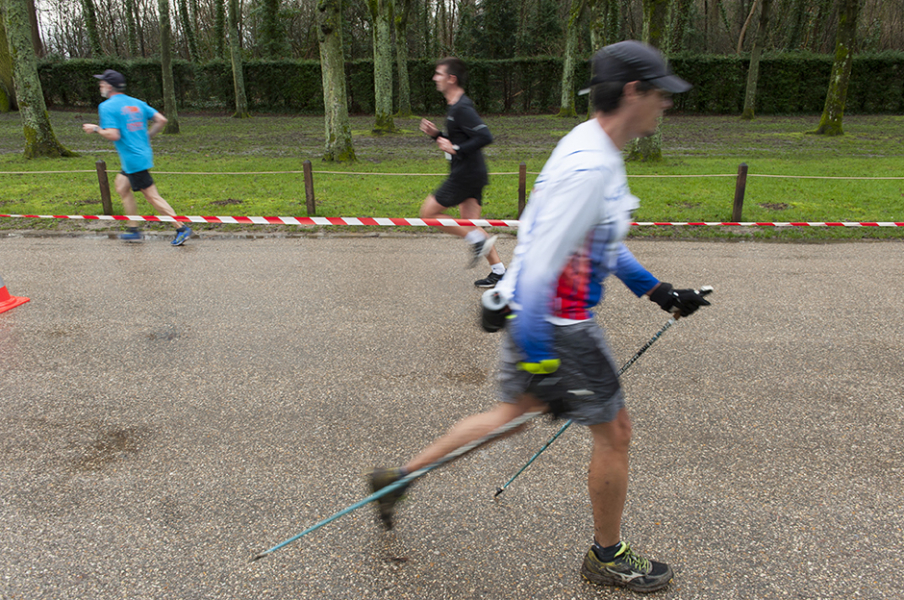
(258,557)
(498,491)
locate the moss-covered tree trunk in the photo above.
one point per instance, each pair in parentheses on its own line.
(132,28)
(40,141)
(90,15)
(566,101)
(753,71)
(189,30)
(235,53)
(833,113)
(401,11)
(219,29)
(381,18)
(7,89)
(166,64)
(332,66)
(649,149)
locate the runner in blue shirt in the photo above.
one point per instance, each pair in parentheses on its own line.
(124,121)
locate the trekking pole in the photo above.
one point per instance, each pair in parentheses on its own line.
(500,431)
(703,291)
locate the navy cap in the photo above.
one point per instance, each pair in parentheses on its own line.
(634,61)
(114,78)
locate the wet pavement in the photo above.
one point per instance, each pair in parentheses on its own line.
(167,413)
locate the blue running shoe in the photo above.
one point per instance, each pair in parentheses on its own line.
(132,235)
(182,234)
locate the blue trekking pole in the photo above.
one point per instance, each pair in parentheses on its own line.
(703,291)
(508,427)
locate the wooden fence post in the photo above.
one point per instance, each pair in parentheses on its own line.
(740,187)
(104,184)
(309,188)
(522,188)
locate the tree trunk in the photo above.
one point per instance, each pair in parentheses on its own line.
(566,103)
(7,88)
(833,113)
(132,28)
(273,34)
(36,42)
(166,63)
(219,29)
(90,15)
(189,32)
(681,11)
(381,18)
(235,53)
(402,10)
(40,141)
(335,100)
(649,149)
(753,71)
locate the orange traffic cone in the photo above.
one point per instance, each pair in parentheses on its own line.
(8,302)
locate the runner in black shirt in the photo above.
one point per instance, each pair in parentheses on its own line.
(465,135)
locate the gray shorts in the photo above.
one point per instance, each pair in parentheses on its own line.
(586,383)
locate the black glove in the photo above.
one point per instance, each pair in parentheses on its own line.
(682,302)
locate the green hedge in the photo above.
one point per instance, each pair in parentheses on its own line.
(789,83)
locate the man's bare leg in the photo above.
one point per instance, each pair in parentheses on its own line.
(124,189)
(473,428)
(160,205)
(608,477)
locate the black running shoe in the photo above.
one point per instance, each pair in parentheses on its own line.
(489,281)
(628,570)
(481,249)
(379,479)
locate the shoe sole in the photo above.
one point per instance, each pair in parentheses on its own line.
(485,285)
(487,246)
(600,579)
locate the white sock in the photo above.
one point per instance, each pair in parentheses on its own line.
(498,268)
(475,236)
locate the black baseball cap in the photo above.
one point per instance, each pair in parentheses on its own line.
(634,61)
(114,78)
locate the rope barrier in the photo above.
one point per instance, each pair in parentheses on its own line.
(410,222)
(445,174)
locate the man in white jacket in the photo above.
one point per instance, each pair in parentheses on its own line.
(554,355)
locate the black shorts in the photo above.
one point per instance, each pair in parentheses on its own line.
(585,388)
(455,191)
(140,180)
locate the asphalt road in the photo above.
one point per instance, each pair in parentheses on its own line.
(167,413)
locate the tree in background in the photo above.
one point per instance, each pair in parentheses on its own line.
(649,149)
(833,113)
(753,71)
(132,28)
(7,88)
(219,29)
(272,32)
(401,12)
(566,105)
(40,140)
(188,30)
(91,27)
(381,18)
(235,54)
(335,101)
(166,65)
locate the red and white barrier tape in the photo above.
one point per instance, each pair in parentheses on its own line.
(400,222)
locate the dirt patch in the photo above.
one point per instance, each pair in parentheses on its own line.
(775,206)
